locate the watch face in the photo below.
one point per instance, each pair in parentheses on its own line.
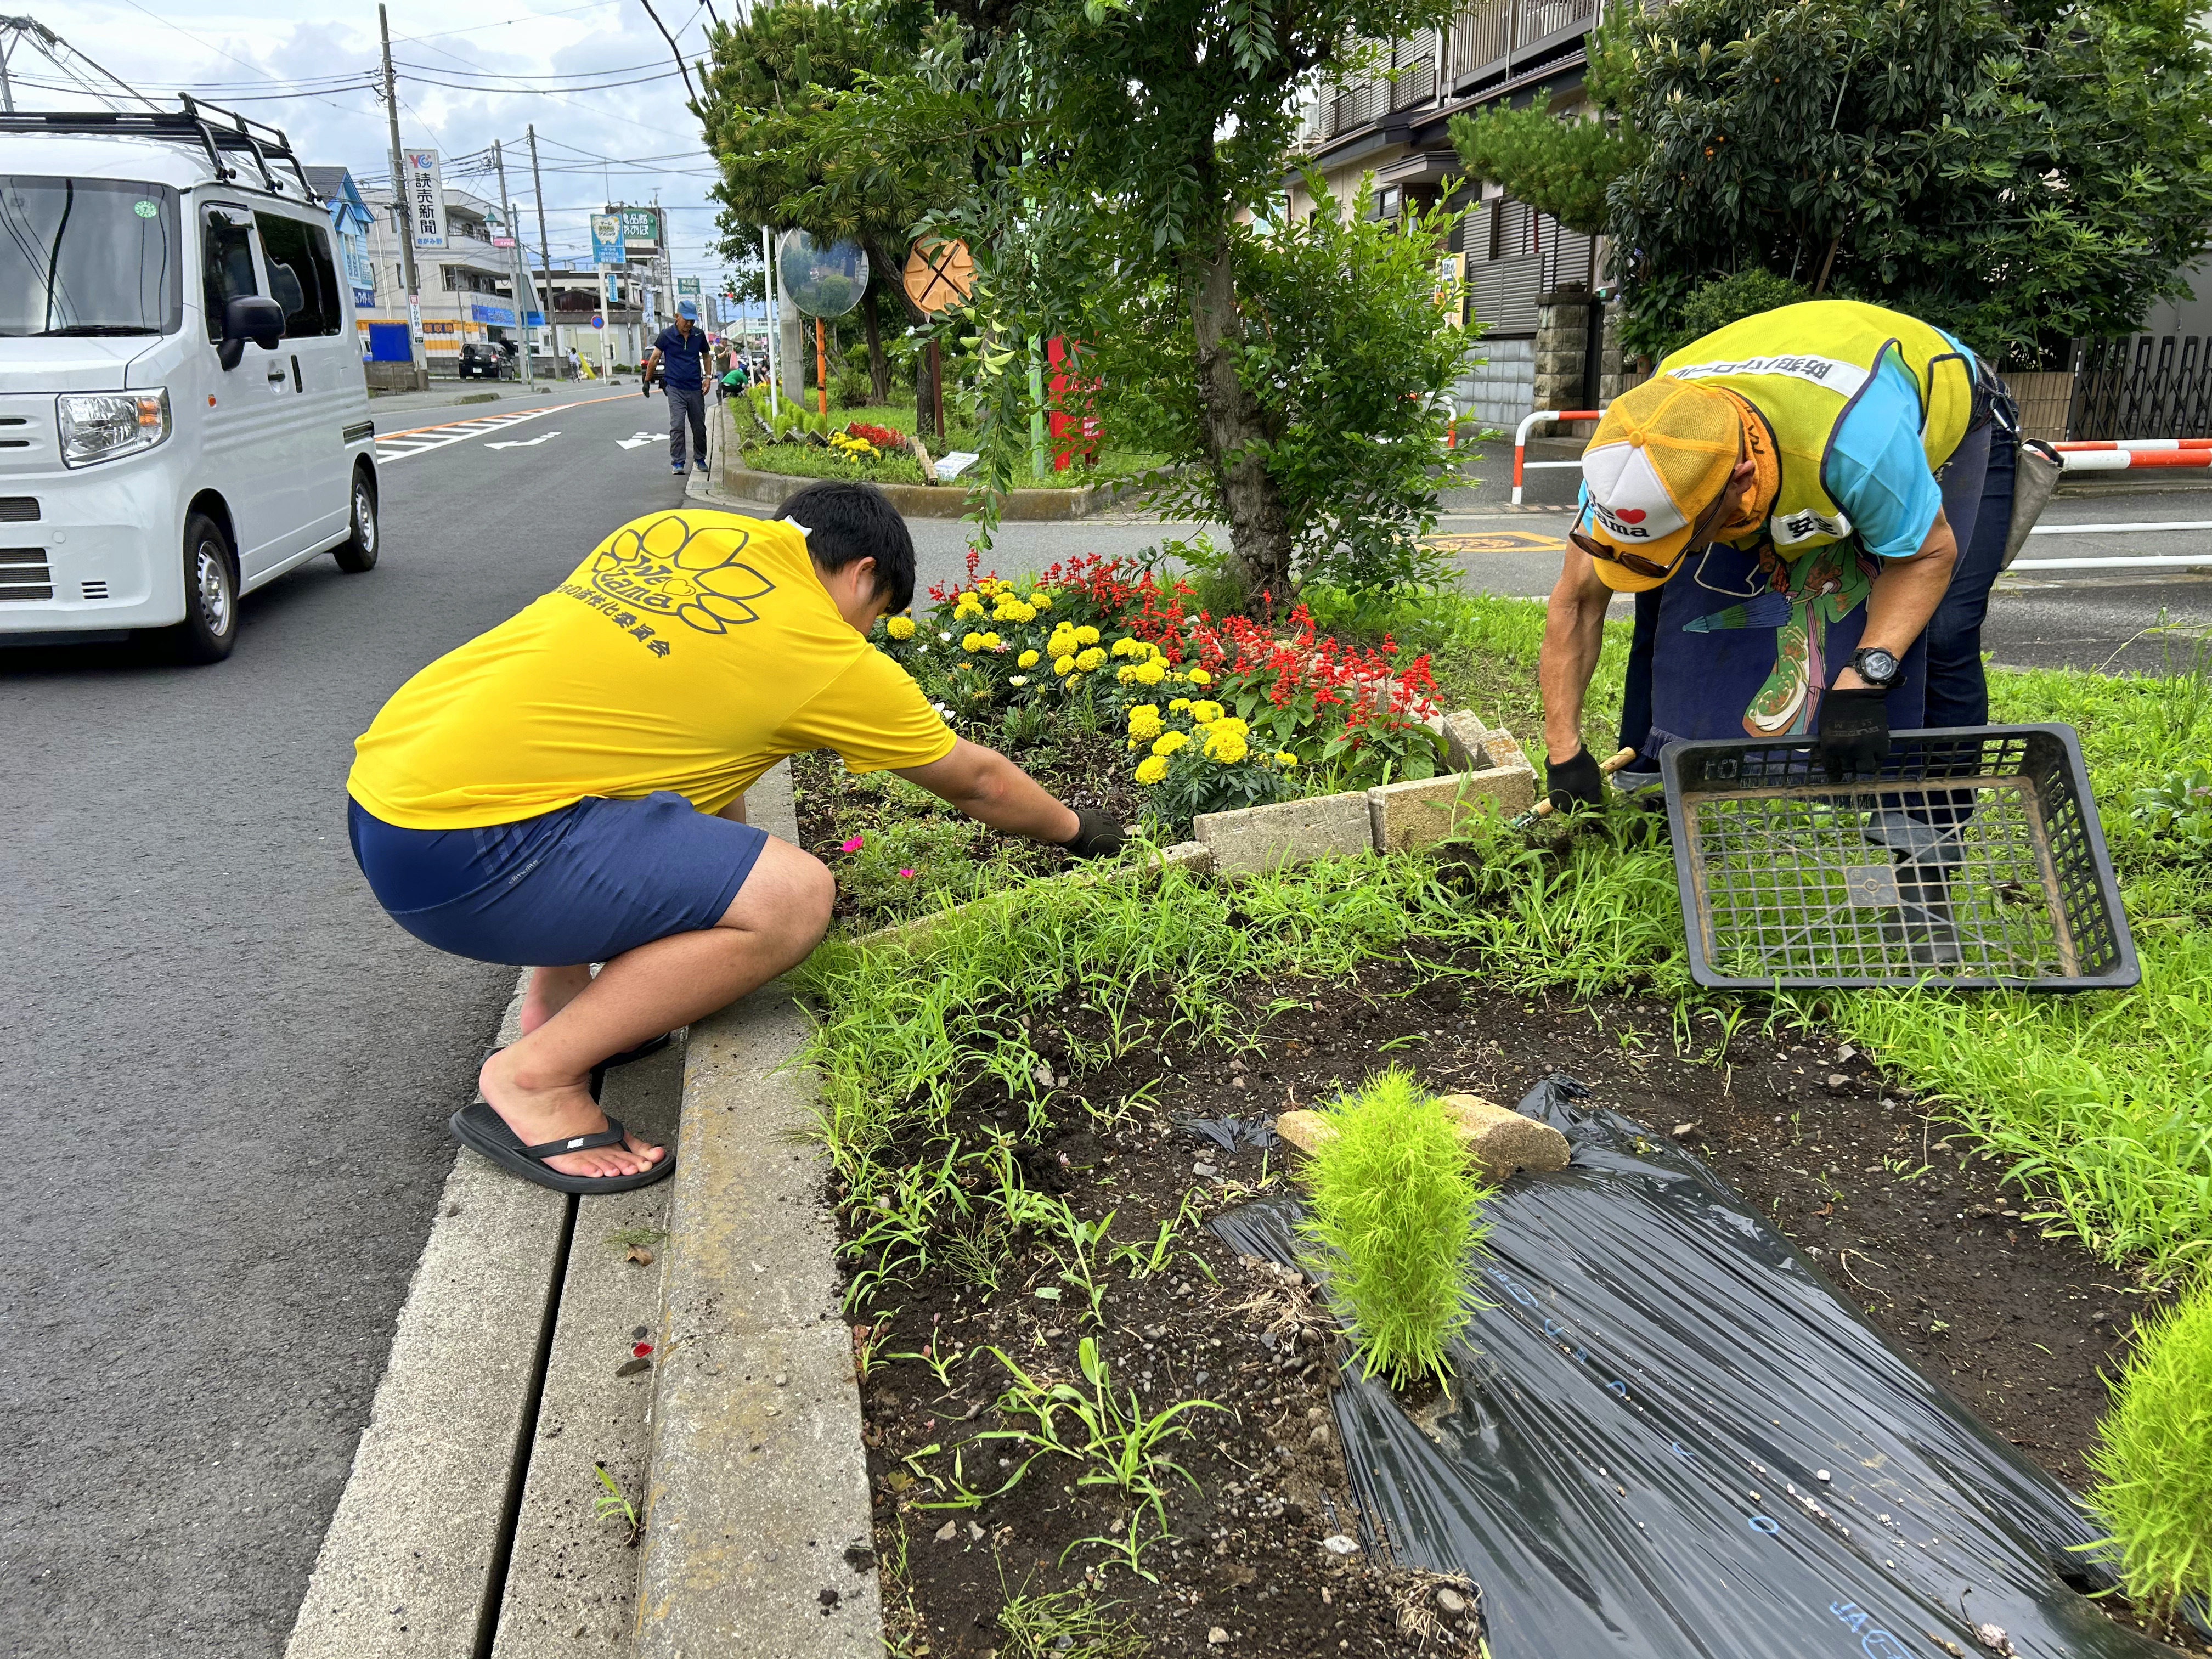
(1877,667)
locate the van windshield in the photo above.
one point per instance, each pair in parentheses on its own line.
(88,256)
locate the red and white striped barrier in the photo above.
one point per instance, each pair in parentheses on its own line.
(2125,454)
(1521,462)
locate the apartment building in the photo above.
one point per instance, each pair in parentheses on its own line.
(467,286)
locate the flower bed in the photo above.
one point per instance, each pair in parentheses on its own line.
(1022,1211)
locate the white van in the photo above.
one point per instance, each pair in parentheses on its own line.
(183,415)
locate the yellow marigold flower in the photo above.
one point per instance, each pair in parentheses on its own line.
(992,642)
(1226,747)
(1027,660)
(900,628)
(971,641)
(1205,714)
(1176,705)
(1093,658)
(1041,600)
(1152,769)
(1285,759)
(1168,742)
(1151,672)
(967,605)
(1063,664)
(1086,635)
(1144,721)
(1126,647)
(1230,723)
(1199,676)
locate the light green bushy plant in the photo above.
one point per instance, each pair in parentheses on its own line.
(1395,1209)
(2153,1462)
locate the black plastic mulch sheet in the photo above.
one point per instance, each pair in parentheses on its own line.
(1631,1459)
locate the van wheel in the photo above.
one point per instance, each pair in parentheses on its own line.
(357,552)
(210,625)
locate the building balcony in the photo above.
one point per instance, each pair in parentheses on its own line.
(1494,40)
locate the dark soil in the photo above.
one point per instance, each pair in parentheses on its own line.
(834,805)
(2020,1327)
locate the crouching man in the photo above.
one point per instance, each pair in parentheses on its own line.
(569,789)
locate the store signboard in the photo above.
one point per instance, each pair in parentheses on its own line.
(640,228)
(425,198)
(606,239)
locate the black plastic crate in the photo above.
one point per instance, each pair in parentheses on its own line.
(1973,859)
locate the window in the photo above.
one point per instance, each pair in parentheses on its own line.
(85,257)
(302,276)
(227,262)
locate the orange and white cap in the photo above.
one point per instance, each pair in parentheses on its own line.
(1661,456)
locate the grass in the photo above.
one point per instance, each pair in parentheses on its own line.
(2154,1468)
(1395,1210)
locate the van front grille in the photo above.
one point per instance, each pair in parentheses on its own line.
(18,509)
(24,575)
(95,590)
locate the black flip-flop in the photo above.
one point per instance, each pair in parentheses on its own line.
(482,1129)
(650,1046)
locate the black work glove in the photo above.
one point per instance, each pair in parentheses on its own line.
(1854,737)
(1574,781)
(1096,835)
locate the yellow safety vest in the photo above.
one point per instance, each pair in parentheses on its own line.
(1802,368)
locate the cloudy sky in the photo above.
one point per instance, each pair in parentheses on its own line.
(464,81)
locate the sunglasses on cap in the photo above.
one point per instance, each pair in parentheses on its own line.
(1701,532)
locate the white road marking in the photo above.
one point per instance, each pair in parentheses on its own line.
(635,439)
(401,444)
(526,443)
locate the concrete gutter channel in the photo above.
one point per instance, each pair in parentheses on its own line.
(468,1528)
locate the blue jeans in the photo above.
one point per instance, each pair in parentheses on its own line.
(1957,689)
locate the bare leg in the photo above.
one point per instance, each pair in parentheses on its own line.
(541,1084)
(552,989)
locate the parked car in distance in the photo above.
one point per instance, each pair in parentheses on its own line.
(482,359)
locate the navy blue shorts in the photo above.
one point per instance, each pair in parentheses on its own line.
(583,885)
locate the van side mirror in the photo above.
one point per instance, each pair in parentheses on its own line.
(249,317)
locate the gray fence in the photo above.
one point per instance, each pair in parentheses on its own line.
(2145,385)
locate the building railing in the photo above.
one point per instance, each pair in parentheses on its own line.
(1411,84)
(1487,35)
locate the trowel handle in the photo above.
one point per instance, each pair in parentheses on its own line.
(1606,768)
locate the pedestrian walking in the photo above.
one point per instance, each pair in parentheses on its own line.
(680,355)
(570,788)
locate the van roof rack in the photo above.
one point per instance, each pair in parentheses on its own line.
(218,131)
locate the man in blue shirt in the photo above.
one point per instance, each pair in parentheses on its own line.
(678,354)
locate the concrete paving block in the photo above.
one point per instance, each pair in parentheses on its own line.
(1501,1140)
(1406,818)
(1287,832)
(1501,748)
(573,1576)
(409,1567)
(758,1527)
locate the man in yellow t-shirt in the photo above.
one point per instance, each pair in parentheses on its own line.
(569,788)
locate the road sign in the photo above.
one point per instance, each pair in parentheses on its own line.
(824,279)
(939,275)
(598,321)
(606,239)
(425,198)
(686,287)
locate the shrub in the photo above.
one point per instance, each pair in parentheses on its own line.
(1395,1210)
(2155,1465)
(1732,298)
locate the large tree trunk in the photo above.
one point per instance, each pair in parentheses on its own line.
(1259,530)
(925,406)
(880,366)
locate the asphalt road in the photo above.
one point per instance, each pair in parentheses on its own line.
(228,1073)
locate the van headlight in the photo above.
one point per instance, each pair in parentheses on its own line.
(99,426)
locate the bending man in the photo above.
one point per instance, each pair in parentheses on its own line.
(569,788)
(1787,498)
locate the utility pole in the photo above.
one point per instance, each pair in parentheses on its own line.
(521,273)
(767,311)
(545,250)
(406,215)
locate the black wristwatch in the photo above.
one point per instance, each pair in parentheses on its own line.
(1877,667)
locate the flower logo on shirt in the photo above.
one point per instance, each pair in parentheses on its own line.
(671,569)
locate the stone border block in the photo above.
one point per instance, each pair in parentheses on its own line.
(1261,838)
(1407,818)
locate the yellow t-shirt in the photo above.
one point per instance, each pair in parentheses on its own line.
(690,652)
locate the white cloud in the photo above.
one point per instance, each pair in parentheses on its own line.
(288,72)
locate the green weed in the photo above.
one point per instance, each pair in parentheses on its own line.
(2153,1463)
(611,1504)
(1395,1210)
(1067,1624)
(1119,1445)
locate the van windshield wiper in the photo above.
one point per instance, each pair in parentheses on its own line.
(80,329)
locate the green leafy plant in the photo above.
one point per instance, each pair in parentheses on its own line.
(2178,807)
(1119,1445)
(2154,1459)
(1395,1210)
(611,1504)
(1065,1625)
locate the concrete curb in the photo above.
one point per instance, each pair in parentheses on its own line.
(411,1567)
(758,1526)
